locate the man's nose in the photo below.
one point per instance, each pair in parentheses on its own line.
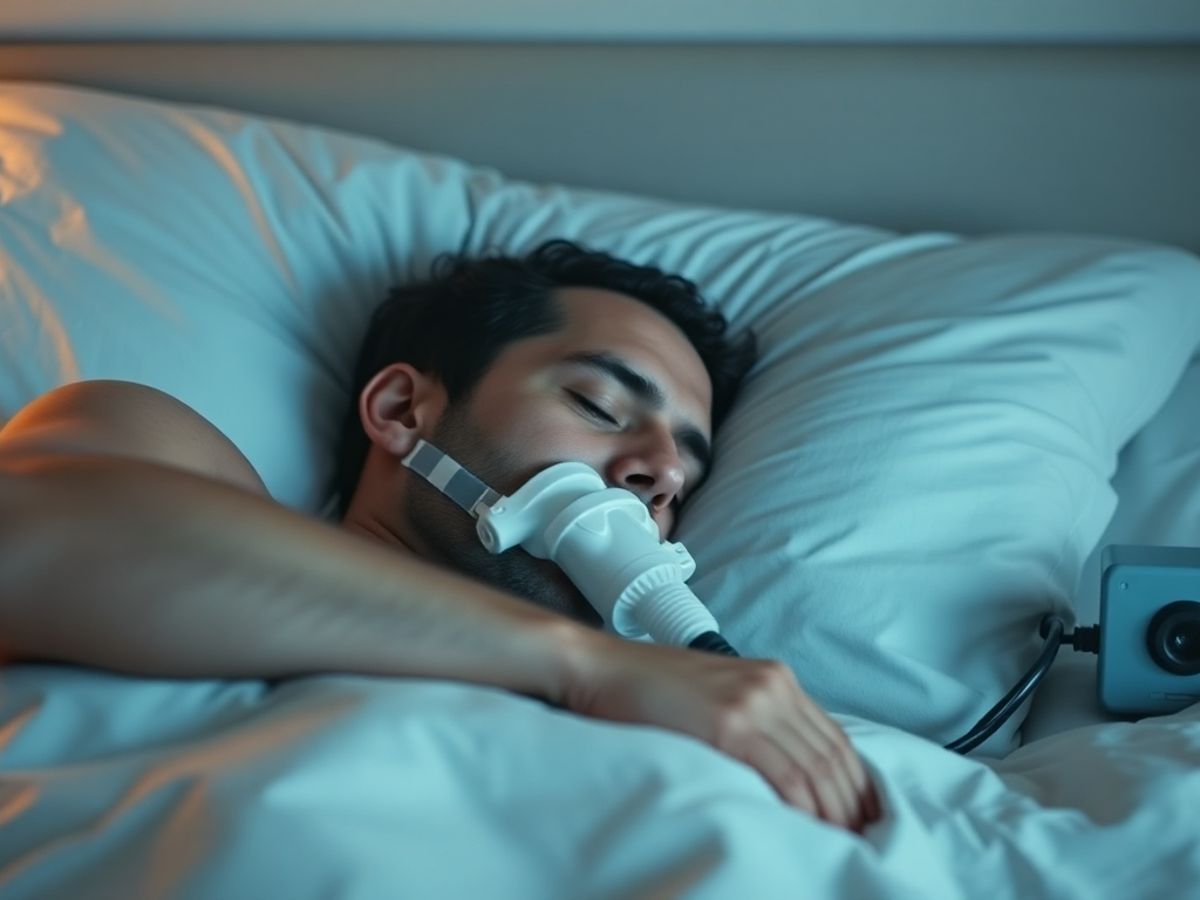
(655,476)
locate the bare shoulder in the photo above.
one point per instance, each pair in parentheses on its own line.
(120,418)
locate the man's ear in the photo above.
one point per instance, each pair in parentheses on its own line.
(399,405)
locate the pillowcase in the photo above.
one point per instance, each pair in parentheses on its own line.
(914,473)
(229,261)
(1158,486)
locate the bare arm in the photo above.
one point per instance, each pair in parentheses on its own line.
(135,537)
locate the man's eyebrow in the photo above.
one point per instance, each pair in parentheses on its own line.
(650,394)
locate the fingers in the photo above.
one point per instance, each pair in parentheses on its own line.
(806,780)
(849,765)
(852,767)
(836,804)
(814,725)
(790,781)
(835,768)
(812,760)
(754,710)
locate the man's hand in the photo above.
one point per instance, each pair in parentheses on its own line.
(751,709)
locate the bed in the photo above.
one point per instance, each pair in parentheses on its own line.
(969,386)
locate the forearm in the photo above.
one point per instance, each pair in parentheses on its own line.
(144,569)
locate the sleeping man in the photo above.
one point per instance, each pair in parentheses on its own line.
(134,536)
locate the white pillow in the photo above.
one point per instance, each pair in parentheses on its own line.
(228,260)
(914,474)
(1158,485)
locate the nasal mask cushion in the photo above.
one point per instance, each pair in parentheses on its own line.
(602,537)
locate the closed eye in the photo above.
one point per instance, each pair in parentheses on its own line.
(592,409)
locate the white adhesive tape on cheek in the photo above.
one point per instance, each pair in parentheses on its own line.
(449,477)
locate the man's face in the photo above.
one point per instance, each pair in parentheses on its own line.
(619,387)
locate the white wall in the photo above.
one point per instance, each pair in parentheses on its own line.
(976,139)
(682,20)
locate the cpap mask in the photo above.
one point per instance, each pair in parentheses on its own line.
(602,537)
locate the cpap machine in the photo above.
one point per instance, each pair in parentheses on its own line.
(1149,641)
(604,539)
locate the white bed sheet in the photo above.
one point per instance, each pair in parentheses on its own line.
(359,788)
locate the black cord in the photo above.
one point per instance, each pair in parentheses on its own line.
(1051,629)
(1085,639)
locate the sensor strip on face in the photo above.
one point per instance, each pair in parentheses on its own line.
(456,482)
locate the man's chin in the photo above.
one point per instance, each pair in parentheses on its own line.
(570,601)
(543,584)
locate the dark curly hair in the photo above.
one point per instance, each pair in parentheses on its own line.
(458,322)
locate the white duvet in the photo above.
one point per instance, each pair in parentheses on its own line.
(352,787)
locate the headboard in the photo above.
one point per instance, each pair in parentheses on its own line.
(1057,127)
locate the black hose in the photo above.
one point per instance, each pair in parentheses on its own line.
(712,642)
